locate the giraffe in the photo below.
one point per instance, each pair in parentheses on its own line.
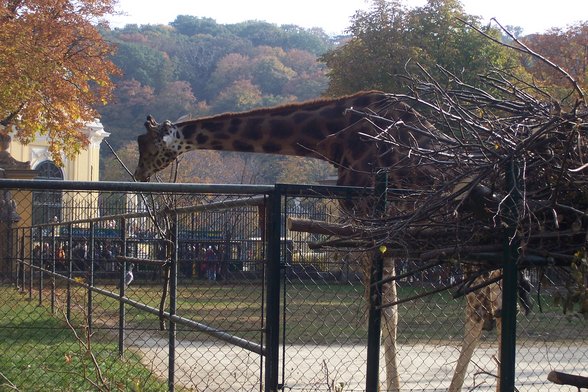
(327,129)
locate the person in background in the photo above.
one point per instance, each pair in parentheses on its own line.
(210,259)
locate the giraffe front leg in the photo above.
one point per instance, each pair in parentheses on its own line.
(389,329)
(473,332)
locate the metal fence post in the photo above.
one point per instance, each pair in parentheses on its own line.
(91,277)
(272,281)
(31,261)
(69,270)
(121,293)
(173,285)
(11,253)
(53,248)
(22,258)
(375,295)
(509,286)
(41,266)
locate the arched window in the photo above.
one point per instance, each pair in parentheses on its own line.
(47,204)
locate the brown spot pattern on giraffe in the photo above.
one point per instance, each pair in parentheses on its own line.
(240,145)
(280,130)
(271,148)
(201,139)
(234,126)
(252,131)
(188,131)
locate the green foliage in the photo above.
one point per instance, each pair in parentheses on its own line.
(258,32)
(271,75)
(315,41)
(196,58)
(261,33)
(388,41)
(139,62)
(376,52)
(193,25)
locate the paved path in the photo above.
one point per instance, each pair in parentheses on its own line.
(215,366)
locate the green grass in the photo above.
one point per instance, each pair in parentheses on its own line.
(38,352)
(323,313)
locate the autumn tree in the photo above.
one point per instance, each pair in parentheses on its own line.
(131,102)
(309,79)
(567,47)
(305,170)
(175,100)
(241,95)
(54,69)
(229,69)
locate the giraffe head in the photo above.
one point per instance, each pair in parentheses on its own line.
(157,148)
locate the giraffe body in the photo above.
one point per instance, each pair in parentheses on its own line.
(334,130)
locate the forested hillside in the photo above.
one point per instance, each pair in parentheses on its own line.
(195,66)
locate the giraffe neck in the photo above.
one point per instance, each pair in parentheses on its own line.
(302,129)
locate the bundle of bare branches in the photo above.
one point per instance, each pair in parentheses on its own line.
(511,161)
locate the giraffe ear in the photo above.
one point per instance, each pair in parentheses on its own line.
(151,125)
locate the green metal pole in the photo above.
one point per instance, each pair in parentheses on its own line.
(509,285)
(273,273)
(53,283)
(173,291)
(121,292)
(69,269)
(375,311)
(91,254)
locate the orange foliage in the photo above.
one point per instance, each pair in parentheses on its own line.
(54,69)
(568,48)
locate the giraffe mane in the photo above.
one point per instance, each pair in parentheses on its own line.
(186,119)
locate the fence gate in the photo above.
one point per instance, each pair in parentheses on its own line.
(323,307)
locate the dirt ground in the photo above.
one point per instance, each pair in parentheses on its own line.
(215,366)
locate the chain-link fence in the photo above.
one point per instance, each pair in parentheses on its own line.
(152,287)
